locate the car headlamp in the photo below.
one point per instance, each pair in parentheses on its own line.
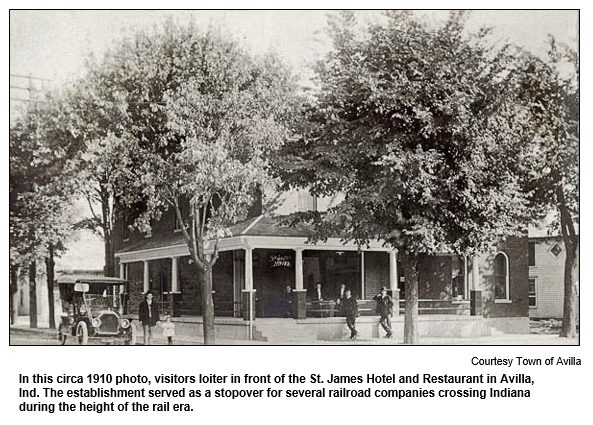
(96,323)
(125,323)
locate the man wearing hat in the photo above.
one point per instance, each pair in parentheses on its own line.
(385,310)
(349,307)
(149,316)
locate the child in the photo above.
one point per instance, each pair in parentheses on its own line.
(169,329)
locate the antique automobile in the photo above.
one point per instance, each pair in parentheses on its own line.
(93,307)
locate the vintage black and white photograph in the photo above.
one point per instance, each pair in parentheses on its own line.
(294,177)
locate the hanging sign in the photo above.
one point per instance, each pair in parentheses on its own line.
(280,260)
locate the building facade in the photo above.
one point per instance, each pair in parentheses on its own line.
(546,277)
(279,273)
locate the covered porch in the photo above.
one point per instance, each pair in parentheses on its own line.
(266,270)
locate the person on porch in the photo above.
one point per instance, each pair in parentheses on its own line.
(288,301)
(385,310)
(318,292)
(341,295)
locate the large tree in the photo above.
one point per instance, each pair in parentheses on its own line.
(416,125)
(200,117)
(550,91)
(98,115)
(42,184)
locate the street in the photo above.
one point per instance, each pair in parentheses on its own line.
(47,337)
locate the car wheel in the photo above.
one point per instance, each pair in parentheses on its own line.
(133,335)
(62,336)
(82,333)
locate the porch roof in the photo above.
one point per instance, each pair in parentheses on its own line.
(258,232)
(256,226)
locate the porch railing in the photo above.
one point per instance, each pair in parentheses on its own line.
(439,306)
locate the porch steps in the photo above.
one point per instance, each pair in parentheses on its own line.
(287,331)
(283,331)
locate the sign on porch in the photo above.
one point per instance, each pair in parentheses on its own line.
(280,260)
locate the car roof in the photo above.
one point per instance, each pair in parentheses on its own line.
(72,279)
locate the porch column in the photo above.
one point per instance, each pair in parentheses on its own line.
(122,270)
(298,269)
(476,291)
(248,294)
(393,281)
(299,300)
(146,277)
(249,269)
(174,297)
(175,274)
(392,270)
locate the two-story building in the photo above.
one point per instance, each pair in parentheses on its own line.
(262,261)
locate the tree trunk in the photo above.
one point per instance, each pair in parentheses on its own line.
(571,245)
(14,288)
(109,269)
(410,267)
(32,295)
(107,225)
(50,267)
(569,326)
(208,307)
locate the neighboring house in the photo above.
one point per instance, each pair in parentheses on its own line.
(263,256)
(546,276)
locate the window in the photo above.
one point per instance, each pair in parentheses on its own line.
(532,293)
(306,201)
(531,253)
(501,276)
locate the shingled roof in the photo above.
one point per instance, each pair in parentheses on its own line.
(256,226)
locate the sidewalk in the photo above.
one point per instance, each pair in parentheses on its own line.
(47,336)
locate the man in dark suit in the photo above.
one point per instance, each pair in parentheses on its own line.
(385,310)
(149,316)
(349,308)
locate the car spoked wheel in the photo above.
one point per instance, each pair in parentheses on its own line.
(62,335)
(82,333)
(132,334)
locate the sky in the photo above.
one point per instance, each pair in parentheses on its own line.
(53,45)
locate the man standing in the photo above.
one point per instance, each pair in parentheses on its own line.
(149,316)
(349,308)
(318,294)
(385,310)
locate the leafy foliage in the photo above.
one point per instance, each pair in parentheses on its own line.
(41,181)
(549,91)
(419,127)
(197,118)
